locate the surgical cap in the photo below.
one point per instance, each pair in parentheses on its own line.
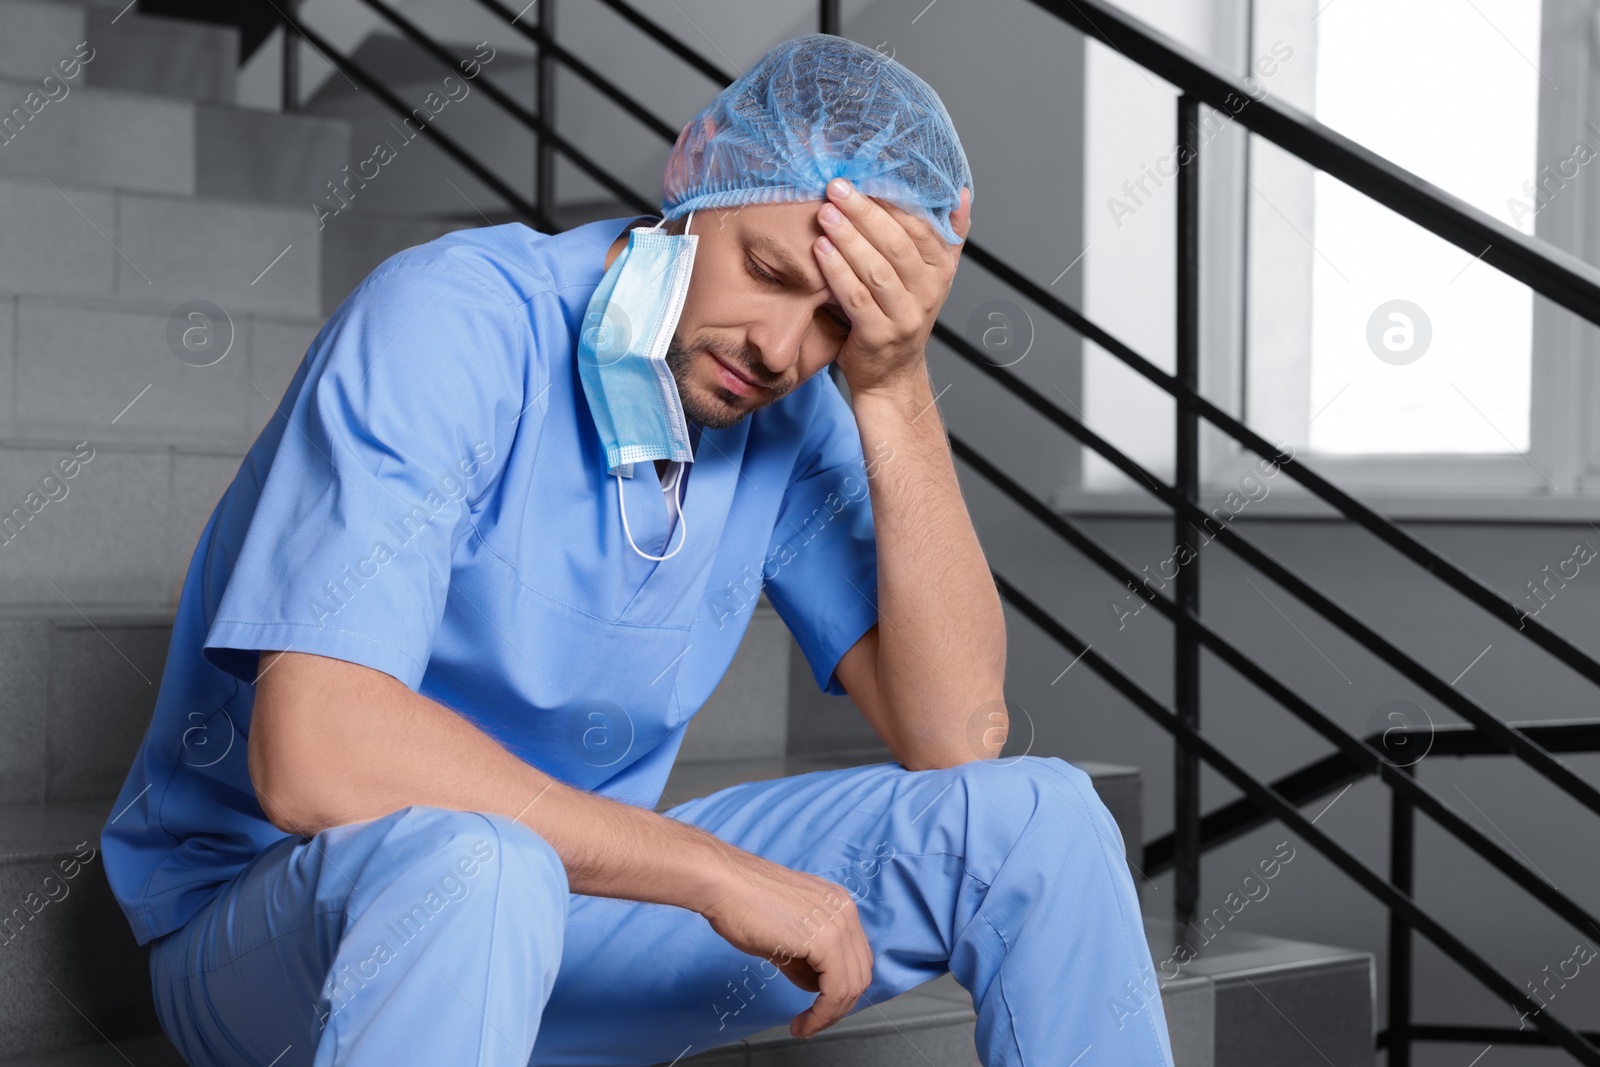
(815,108)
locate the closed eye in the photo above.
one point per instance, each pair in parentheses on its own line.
(755,269)
(841,321)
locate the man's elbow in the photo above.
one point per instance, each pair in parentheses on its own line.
(281,792)
(281,756)
(983,737)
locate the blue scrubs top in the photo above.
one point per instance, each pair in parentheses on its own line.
(431,501)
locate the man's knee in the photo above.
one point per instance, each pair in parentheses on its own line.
(439,881)
(1045,793)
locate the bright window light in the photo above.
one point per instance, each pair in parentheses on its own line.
(1416,347)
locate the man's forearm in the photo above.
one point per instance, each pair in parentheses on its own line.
(386,747)
(941,629)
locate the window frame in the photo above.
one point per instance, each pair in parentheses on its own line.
(1558,478)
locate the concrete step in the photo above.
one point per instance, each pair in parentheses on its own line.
(1247,1001)
(152,1050)
(70,970)
(159,251)
(267,156)
(76,368)
(932,1024)
(118,535)
(107,138)
(130,50)
(412,175)
(79,694)
(118,139)
(161,56)
(92,358)
(1273,1001)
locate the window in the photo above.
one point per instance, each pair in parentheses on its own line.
(1412,349)
(1392,357)
(1399,365)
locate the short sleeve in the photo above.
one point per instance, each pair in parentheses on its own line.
(411,395)
(822,574)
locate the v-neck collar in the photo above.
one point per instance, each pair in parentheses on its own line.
(670,588)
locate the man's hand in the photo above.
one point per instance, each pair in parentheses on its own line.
(807,926)
(891,271)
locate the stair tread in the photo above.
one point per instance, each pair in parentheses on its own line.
(92,613)
(917,1008)
(934,1005)
(38,829)
(151,1051)
(1233,954)
(164,101)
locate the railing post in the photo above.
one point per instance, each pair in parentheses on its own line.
(1186,663)
(544,178)
(290,60)
(1402,861)
(828,16)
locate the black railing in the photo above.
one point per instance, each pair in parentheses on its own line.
(1333,772)
(1557,275)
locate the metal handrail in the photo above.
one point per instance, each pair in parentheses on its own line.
(1554,272)
(1366,757)
(1514,741)
(533,122)
(597,81)
(1383,528)
(1396,901)
(446,143)
(1334,771)
(662,37)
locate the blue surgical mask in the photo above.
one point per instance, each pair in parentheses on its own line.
(622,359)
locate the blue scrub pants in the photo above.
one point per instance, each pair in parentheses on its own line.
(440,937)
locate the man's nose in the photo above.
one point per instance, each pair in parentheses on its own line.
(778,340)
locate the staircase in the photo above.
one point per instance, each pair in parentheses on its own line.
(144,194)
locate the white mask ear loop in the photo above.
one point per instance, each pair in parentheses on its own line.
(687,223)
(677,500)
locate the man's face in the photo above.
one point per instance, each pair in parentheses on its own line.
(759,319)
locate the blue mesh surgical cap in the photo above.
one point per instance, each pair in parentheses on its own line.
(815,108)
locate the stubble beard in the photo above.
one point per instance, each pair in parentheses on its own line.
(718,414)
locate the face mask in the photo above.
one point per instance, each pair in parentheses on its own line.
(622,359)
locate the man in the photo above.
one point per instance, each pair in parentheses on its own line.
(442,637)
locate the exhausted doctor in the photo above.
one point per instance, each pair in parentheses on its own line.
(443,634)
